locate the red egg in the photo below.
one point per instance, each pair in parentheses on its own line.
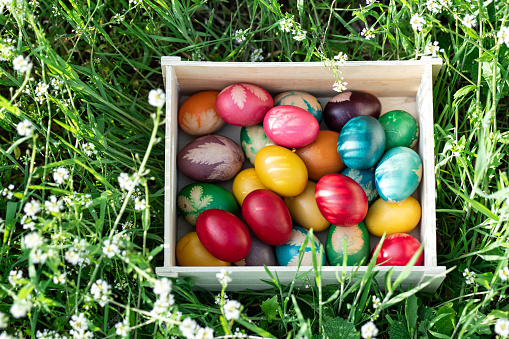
(290,126)
(223,234)
(243,104)
(341,200)
(267,217)
(397,250)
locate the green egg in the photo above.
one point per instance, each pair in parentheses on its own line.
(253,139)
(356,239)
(400,128)
(196,198)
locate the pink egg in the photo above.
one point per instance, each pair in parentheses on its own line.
(290,126)
(243,104)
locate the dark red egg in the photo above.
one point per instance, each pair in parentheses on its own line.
(348,105)
(267,217)
(397,250)
(341,200)
(223,234)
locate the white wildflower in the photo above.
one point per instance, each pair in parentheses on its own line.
(78,323)
(224,300)
(162,286)
(239,36)
(139,204)
(122,328)
(156,98)
(127,182)
(339,85)
(118,17)
(89,148)
(38,256)
(370,2)
(368,33)
(299,35)
(369,330)
(232,309)
(502,327)
(376,302)
(5,335)
(15,277)
(32,208)
(41,89)
(110,249)
(504,273)
(204,333)
(20,307)
(4,320)
(433,48)
(59,278)
(434,6)
(286,25)
(188,327)
(21,64)
(101,291)
(60,175)
(25,128)
(223,277)
(73,257)
(7,191)
(135,2)
(469,276)
(341,58)
(256,55)
(162,305)
(33,240)
(445,3)
(54,205)
(503,36)
(417,22)
(469,21)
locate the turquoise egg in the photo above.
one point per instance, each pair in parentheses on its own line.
(361,142)
(253,139)
(398,174)
(303,100)
(356,240)
(288,254)
(366,179)
(196,198)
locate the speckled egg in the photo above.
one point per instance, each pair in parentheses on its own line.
(397,250)
(398,174)
(300,99)
(244,183)
(356,239)
(243,104)
(198,116)
(253,139)
(361,142)
(304,210)
(198,197)
(398,217)
(211,158)
(190,252)
(366,179)
(260,254)
(400,128)
(288,254)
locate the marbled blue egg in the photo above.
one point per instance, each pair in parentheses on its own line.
(398,174)
(361,142)
(288,254)
(366,179)
(300,99)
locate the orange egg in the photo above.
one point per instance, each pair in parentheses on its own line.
(321,156)
(198,116)
(191,252)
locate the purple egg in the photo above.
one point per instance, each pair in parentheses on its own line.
(348,105)
(260,254)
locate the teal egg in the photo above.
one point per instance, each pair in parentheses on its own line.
(400,128)
(288,254)
(398,174)
(253,139)
(356,239)
(366,179)
(300,99)
(196,198)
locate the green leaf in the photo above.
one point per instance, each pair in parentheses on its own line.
(12,207)
(411,313)
(475,204)
(463,91)
(398,331)
(446,320)
(333,327)
(270,307)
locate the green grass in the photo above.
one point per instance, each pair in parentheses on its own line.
(107,67)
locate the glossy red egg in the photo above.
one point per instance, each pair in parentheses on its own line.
(397,250)
(341,200)
(223,234)
(267,217)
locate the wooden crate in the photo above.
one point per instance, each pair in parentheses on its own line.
(406,85)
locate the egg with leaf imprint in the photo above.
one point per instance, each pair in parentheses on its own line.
(288,254)
(198,116)
(354,239)
(300,99)
(253,139)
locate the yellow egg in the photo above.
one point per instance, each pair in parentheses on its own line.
(191,252)
(400,217)
(281,170)
(244,183)
(304,210)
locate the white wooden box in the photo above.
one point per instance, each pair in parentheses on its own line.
(403,85)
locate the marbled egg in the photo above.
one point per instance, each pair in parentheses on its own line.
(288,254)
(366,179)
(397,250)
(243,104)
(398,174)
(304,210)
(300,99)
(260,254)
(253,139)
(211,158)
(190,252)
(198,197)
(321,156)
(290,126)
(400,128)
(198,116)
(398,217)
(356,239)
(244,183)
(361,142)
(347,105)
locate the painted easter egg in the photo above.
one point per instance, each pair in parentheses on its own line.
(321,156)
(243,104)
(198,116)
(190,252)
(341,200)
(281,170)
(361,142)
(397,250)
(304,210)
(356,239)
(400,128)
(253,139)
(290,126)
(366,179)
(198,197)
(300,99)
(244,183)
(211,158)
(347,105)
(267,216)
(260,254)
(398,174)
(223,234)
(288,254)
(398,217)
